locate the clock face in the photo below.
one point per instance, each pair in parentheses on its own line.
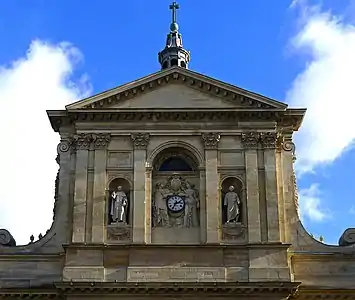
(176,204)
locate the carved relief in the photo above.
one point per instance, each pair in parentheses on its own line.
(6,239)
(211,140)
(268,140)
(101,140)
(82,141)
(64,146)
(295,190)
(175,204)
(348,237)
(250,140)
(233,231)
(56,187)
(285,143)
(140,140)
(118,232)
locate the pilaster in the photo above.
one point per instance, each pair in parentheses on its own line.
(268,142)
(148,206)
(211,141)
(140,143)
(81,144)
(62,201)
(250,143)
(289,184)
(100,143)
(203,226)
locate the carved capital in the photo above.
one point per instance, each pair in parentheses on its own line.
(101,140)
(268,140)
(250,140)
(140,140)
(82,141)
(211,140)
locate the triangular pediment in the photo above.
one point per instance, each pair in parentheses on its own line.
(177,88)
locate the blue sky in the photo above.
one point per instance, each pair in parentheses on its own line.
(301,53)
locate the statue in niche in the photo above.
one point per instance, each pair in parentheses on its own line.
(118,205)
(192,206)
(160,215)
(232,203)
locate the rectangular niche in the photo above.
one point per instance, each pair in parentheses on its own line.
(231,159)
(122,159)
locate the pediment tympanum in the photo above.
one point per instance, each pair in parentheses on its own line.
(176,88)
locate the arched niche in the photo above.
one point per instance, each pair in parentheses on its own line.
(127,189)
(238,188)
(175,177)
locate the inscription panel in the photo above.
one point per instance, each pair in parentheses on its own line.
(173,274)
(119,159)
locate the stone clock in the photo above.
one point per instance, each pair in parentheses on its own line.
(175,204)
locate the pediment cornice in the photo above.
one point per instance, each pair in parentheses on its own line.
(283,118)
(235,95)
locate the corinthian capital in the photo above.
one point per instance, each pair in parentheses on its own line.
(82,141)
(250,140)
(140,140)
(211,140)
(101,140)
(268,140)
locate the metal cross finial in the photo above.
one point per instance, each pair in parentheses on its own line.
(174,7)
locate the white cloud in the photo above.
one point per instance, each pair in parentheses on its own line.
(40,80)
(310,204)
(352,210)
(325,86)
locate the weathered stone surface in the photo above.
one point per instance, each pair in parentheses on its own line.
(201,119)
(175,274)
(30,273)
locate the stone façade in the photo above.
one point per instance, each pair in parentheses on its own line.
(230,133)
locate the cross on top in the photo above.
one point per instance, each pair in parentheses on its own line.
(174,7)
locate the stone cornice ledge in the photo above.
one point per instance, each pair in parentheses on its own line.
(284,117)
(233,289)
(262,290)
(304,293)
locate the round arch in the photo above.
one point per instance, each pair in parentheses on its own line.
(229,180)
(196,154)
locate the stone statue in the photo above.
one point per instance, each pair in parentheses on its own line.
(232,202)
(118,205)
(191,207)
(160,217)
